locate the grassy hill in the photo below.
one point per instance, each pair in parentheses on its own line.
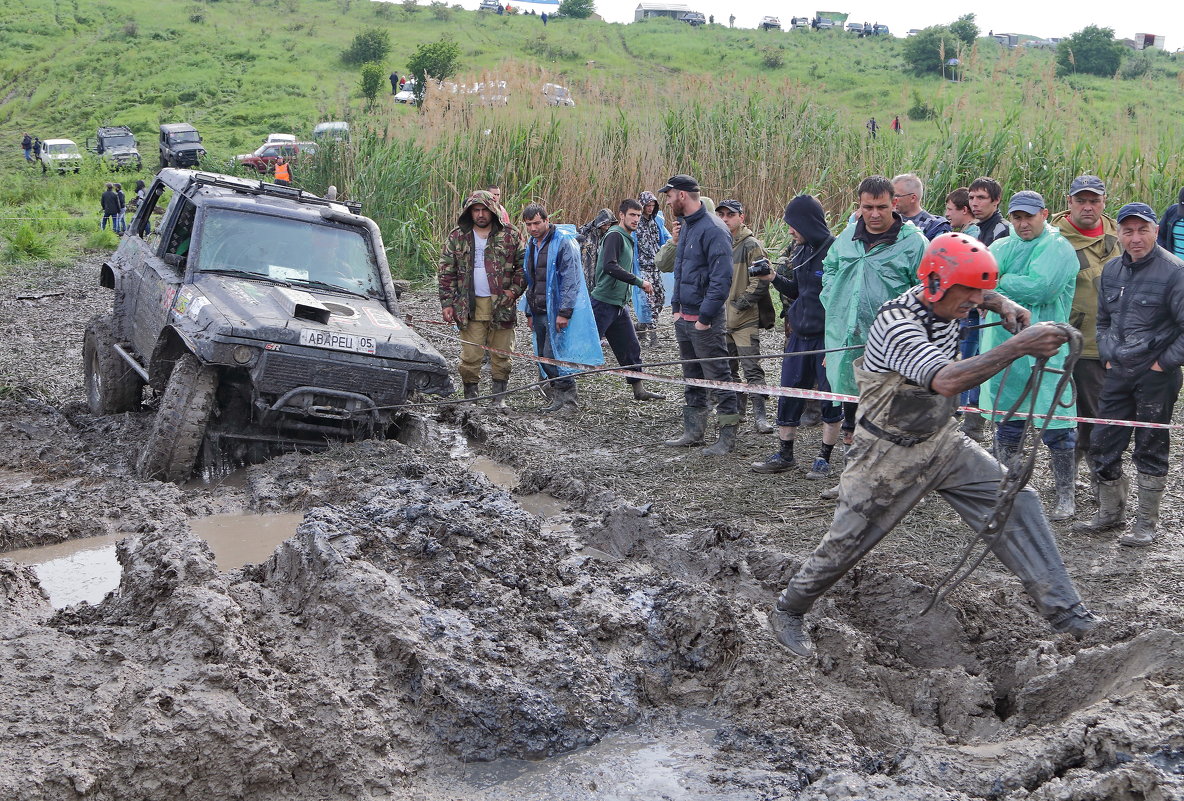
(757,115)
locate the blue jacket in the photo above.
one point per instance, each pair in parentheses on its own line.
(702,267)
(930,224)
(580,341)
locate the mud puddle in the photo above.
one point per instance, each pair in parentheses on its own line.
(539,504)
(87,569)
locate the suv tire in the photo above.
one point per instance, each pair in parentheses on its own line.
(112,386)
(174,443)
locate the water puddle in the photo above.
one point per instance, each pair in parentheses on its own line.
(539,504)
(87,569)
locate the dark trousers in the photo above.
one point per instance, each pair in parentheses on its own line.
(804,372)
(613,323)
(709,344)
(1148,398)
(542,341)
(969,347)
(1088,376)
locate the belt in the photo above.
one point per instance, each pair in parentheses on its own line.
(904,440)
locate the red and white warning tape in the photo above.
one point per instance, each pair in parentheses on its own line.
(785,392)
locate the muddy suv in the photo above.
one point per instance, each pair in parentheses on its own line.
(261,314)
(180,145)
(116,146)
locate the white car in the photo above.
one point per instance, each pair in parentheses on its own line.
(337,130)
(60,155)
(279,139)
(407,93)
(557,95)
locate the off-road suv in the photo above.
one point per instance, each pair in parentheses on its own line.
(116,146)
(260,314)
(180,145)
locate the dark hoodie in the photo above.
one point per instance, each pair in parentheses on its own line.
(1172,215)
(803,284)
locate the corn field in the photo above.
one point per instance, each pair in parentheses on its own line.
(758,147)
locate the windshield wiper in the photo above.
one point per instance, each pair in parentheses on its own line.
(244,274)
(330,287)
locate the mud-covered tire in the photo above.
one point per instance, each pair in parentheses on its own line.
(174,443)
(112,386)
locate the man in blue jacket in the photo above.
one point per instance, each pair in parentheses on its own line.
(702,281)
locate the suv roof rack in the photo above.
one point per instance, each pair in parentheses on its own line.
(248,187)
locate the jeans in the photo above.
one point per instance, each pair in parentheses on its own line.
(742,346)
(695,344)
(967,348)
(1088,375)
(1057,439)
(542,340)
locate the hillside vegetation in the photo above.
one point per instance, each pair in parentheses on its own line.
(756,115)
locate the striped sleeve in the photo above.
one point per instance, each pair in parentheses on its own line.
(899,343)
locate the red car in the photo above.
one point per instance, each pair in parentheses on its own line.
(266,156)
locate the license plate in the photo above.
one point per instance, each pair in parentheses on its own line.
(338,341)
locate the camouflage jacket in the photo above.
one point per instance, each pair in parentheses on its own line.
(503,266)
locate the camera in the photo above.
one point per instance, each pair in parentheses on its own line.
(760,267)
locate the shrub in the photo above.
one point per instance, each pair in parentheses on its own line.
(438,59)
(29,244)
(1091,50)
(1136,66)
(131,29)
(440,10)
(373,76)
(920,110)
(577,9)
(929,50)
(410,6)
(772,58)
(372,44)
(965,28)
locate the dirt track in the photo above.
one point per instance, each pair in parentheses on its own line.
(422,623)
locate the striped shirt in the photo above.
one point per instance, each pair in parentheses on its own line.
(907,338)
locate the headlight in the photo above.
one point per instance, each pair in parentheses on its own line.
(243,354)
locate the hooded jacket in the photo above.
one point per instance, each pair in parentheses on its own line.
(1092,254)
(855,283)
(803,285)
(702,266)
(748,301)
(1169,239)
(1038,274)
(1141,313)
(590,237)
(503,265)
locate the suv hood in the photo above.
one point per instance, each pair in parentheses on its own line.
(179,147)
(283,315)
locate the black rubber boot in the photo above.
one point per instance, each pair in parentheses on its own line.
(642,394)
(499,396)
(1005,453)
(779,462)
(1147,517)
(1111,512)
(726,442)
(694,422)
(1064,471)
(759,419)
(975,427)
(470,392)
(1076,621)
(561,398)
(790,630)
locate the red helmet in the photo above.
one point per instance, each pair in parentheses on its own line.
(956,259)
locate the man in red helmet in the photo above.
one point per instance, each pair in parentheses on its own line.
(908,444)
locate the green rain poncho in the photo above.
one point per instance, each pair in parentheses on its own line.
(855,283)
(1040,276)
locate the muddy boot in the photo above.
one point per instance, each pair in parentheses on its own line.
(831,494)
(1064,471)
(975,427)
(790,630)
(1147,518)
(811,414)
(760,421)
(470,393)
(726,442)
(1005,453)
(499,395)
(779,462)
(559,399)
(653,337)
(1111,512)
(694,422)
(642,394)
(1076,621)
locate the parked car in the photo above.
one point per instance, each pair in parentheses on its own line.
(693,18)
(854,27)
(279,138)
(407,93)
(265,157)
(336,130)
(880,30)
(116,146)
(488,5)
(825,23)
(492,93)
(261,315)
(770,24)
(557,95)
(61,155)
(180,145)
(799,22)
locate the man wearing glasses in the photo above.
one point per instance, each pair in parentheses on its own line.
(907,192)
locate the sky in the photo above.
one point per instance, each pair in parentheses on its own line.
(1044,19)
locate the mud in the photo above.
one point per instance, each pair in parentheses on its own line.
(510,606)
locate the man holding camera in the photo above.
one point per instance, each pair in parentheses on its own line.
(749,308)
(908,443)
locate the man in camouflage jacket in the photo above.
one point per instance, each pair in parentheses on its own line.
(482,303)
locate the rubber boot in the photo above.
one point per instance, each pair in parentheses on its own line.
(694,423)
(1147,518)
(642,394)
(974,426)
(559,399)
(653,335)
(470,393)
(1064,471)
(759,419)
(1111,512)
(1005,453)
(499,395)
(789,628)
(811,414)
(726,442)
(779,462)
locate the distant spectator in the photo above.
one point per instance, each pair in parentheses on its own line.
(283,172)
(37,148)
(395,84)
(896,123)
(544,17)
(331,193)
(872,127)
(27,146)
(119,224)
(1171,229)
(110,204)
(141,196)
(732,21)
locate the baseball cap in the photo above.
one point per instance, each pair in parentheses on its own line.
(734,205)
(683,183)
(1087,183)
(1140,210)
(1027,200)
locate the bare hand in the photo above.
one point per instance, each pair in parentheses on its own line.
(561,323)
(1042,340)
(701,327)
(1015,317)
(677,227)
(647,287)
(449,315)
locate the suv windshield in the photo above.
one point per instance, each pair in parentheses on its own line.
(119,141)
(61,148)
(315,255)
(184,137)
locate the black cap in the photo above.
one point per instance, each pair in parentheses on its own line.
(734,205)
(683,183)
(1140,210)
(1087,183)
